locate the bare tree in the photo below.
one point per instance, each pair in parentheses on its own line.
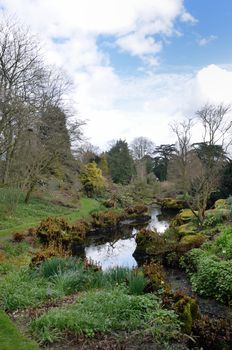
(217,124)
(179,166)
(197,168)
(141,147)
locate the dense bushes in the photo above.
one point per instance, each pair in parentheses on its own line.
(209,275)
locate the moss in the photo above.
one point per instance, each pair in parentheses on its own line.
(183,217)
(172,203)
(221,204)
(185,306)
(191,241)
(186,229)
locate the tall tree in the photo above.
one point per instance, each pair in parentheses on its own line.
(163,154)
(120,163)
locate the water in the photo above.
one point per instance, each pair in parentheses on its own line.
(117,250)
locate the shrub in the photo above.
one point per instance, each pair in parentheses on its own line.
(223,243)
(156,276)
(212,334)
(138,209)
(210,276)
(213,220)
(105,219)
(57,229)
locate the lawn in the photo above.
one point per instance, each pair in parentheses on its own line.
(10,336)
(29,215)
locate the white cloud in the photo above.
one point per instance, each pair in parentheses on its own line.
(117,107)
(207,40)
(145,106)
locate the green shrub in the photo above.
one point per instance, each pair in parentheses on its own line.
(223,243)
(210,276)
(104,312)
(213,220)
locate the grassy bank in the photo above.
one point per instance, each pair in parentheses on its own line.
(10,338)
(29,215)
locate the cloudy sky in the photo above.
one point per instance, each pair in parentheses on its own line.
(136,64)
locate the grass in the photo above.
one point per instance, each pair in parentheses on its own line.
(58,277)
(106,311)
(29,215)
(10,337)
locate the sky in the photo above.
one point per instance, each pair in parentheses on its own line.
(137,65)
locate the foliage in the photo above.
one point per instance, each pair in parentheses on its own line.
(92,179)
(138,209)
(212,334)
(223,243)
(106,219)
(59,230)
(120,163)
(185,306)
(106,311)
(209,275)
(163,155)
(156,275)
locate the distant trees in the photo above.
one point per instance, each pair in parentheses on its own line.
(198,169)
(120,163)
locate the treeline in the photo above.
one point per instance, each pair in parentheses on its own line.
(35,134)
(196,172)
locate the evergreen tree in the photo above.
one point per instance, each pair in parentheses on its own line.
(120,163)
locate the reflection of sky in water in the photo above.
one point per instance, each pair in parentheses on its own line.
(113,254)
(160,226)
(119,253)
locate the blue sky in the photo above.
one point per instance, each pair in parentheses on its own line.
(137,65)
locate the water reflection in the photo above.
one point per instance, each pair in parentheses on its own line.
(157,222)
(117,250)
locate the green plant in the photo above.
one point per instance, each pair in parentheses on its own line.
(223,243)
(137,282)
(210,276)
(104,312)
(9,199)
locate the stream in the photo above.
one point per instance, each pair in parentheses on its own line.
(116,249)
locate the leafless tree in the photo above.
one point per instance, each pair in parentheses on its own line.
(217,124)
(180,165)
(141,146)
(197,168)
